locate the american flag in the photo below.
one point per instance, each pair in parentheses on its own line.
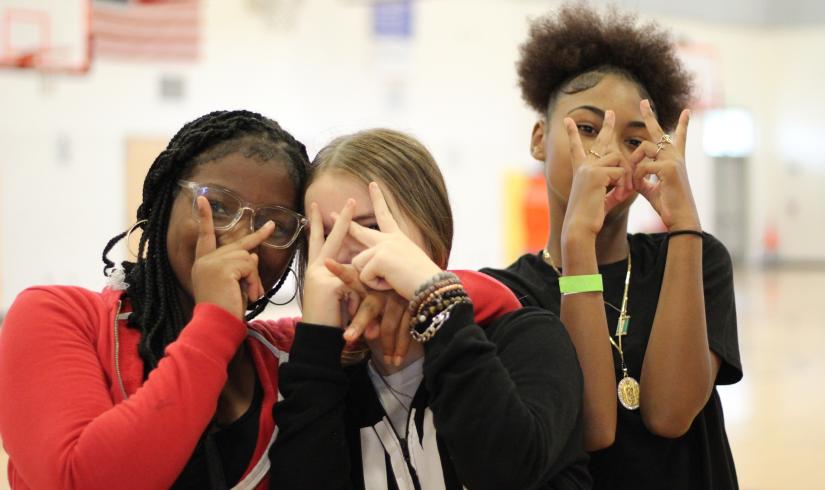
(152,30)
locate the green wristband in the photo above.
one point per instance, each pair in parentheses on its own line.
(581,284)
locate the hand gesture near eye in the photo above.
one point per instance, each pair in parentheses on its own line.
(670,193)
(391,260)
(601,179)
(324,294)
(226,276)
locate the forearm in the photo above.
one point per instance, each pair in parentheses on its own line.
(677,373)
(584,317)
(311,450)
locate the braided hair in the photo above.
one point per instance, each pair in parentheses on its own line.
(151,283)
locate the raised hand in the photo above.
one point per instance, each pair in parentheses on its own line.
(392,260)
(325,294)
(226,276)
(380,315)
(594,173)
(669,193)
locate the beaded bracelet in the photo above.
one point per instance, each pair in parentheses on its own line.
(440,293)
(439,280)
(437,321)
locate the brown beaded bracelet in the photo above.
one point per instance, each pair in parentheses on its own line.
(439,280)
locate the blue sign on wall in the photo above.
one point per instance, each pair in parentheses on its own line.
(392,18)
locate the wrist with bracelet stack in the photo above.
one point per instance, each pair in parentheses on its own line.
(432,304)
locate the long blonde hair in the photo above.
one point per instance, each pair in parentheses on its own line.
(406,168)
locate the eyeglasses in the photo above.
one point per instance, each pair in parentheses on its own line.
(228,209)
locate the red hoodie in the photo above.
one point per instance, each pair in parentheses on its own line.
(76,413)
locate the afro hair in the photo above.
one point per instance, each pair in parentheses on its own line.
(576,40)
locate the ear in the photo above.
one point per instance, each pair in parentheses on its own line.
(537,141)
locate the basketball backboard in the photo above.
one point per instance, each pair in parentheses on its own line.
(46,35)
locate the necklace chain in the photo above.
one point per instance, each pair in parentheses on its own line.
(395,393)
(624,318)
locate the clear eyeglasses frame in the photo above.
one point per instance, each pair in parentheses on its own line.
(228,208)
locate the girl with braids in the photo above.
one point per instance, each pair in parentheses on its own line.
(160,383)
(491,401)
(652,316)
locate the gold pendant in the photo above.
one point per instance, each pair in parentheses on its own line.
(629,392)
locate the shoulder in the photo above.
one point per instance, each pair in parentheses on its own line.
(531,325)
(526,277)
(48,315)
(66,301)
(527,263)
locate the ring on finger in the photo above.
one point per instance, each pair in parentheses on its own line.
(594,153)
(665,140)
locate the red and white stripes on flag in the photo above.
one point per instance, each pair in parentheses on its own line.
(150,30)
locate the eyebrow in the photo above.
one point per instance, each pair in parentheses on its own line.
(600,113)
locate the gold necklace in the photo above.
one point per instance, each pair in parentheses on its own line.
(628,388)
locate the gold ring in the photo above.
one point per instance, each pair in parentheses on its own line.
(594,153)
(665,140)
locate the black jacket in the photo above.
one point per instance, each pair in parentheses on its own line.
(505,401)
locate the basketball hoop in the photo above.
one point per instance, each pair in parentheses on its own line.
(45,35)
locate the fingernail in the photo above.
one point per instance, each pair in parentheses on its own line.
(397,361)
(269,224)
(387,359)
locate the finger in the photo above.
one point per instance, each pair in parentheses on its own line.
(574,141)
(207,242)
(365,236)
(651,123)
(389,327)
(254,239)
(252,281)
(386,222)
(348,274)
(403,338)
(256,287)
(649,189)
(645,150)
(647,167)
(339,231)
(680,136)
(368,311)
(316,232)
(606,134)
(360,261)
(393,313)
(373,331)
(371,277)
(618,194)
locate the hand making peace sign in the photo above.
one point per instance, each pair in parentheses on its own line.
(226,276)
(670,193)
(392,260)
(601,178)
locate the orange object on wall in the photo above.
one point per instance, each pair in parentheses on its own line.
(536,213)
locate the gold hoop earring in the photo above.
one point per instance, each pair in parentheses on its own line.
(129,235)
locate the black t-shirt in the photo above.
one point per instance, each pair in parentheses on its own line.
(700,459)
